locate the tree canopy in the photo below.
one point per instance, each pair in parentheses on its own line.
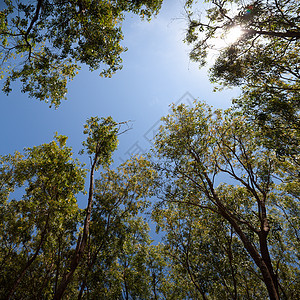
(263,61)
(228,208)
(52,249)
(221,186)
(227,217)
(43,43)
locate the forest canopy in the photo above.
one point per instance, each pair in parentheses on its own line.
(44,43)
(221,187)
(234,239)
(263,61)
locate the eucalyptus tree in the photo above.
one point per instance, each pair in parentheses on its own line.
(43,43)
(206,260)
(263,61)
(52,249)
(119,247)
(225,204)
(39,228)
(101,142)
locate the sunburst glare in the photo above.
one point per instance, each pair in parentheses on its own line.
(228,38)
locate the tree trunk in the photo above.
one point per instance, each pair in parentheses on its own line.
(81,243)
(262,260)
(259,260)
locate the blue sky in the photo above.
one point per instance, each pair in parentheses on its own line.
(156,72)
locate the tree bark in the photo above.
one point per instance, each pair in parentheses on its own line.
(81,243)
(258,259)
(287,34)
(262,260)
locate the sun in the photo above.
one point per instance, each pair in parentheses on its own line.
(234,34)
(228,38)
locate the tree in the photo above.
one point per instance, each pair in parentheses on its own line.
(263,61)
(38,230)
(244,220)
(206,259)
(51,249)
(49,39)
(100,144)
(117,253)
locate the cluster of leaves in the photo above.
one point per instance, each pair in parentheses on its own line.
(49,39)
(38,230)
(264,62)
(102,139)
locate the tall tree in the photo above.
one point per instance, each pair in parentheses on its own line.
(206,260)
(263,61)
(117,253)
(49,39)
(197,148)
(101,142)
(38,230)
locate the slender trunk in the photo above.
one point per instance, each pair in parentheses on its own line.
(91,262)
(203,295)
(34,19)
(266,258)
(84,281)
(125,284)
(230,257)
(258,259)
(82,289)
(57,264)
(247,288)
(81,243)
(263,243)
(40,294)
(198,287)
(154,286)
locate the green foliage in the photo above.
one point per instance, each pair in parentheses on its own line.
(206,257)
(116,254)
(264,62)
(40,223)
(50,39)
(102,139)
(38,229)
(220,238)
